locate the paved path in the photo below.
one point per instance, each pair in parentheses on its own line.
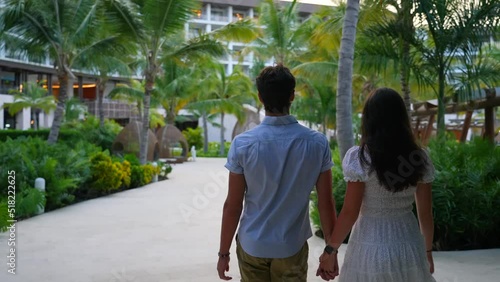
(167,231)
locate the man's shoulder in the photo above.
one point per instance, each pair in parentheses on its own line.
(312,134)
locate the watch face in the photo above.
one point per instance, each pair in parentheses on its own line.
(329,249)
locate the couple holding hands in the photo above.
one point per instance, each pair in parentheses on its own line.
(273,169)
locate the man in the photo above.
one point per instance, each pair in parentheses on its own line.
(273,169)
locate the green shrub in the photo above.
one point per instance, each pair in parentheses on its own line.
(213,150)
(106,174)
(64,168)
(4,215)
(136,176)
(338,187)
(194,137)
(466,195)
(166,169)
(90,131)
(70,135)
(28,202)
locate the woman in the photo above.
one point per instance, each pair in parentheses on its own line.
(384,176)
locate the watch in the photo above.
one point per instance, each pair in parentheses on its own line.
(329,250)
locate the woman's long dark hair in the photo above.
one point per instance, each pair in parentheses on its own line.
(388,140)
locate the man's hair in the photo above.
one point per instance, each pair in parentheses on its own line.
(276,85)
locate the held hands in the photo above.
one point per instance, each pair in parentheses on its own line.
(431,262)
(222,267)
(328,266)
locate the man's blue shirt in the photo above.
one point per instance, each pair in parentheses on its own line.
(281,161)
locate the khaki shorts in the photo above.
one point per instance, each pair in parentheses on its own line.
(290,269)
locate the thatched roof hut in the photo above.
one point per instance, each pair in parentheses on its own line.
(128,141)
(172,144)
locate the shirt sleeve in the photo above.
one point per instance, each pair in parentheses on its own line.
(351,165)
(327,158)
(429,173)
(233,163)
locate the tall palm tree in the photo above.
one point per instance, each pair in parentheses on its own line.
(345,136)
(66,30)
(223,94)
(451,26)
(281,37)
(32,96)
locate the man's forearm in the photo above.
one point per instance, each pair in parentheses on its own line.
(327,216)
(230,219)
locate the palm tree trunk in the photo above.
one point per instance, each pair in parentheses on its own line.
(441,107)
(33,117)
(404,69)
(345,134)
(222,147)
(150,80)
(405,52)
(59,112)
(101,83)
(205,132)
(171,115)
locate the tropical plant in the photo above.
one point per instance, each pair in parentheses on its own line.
(66,30)
(32,96)
(224,94)
(449,29)
(193,137)
(280,35)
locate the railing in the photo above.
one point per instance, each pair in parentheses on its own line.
(5,89)
(219,18)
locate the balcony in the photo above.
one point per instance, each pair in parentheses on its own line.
(113,109)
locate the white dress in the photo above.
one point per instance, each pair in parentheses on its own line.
(385,243)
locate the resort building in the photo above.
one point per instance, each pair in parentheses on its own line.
(16,69)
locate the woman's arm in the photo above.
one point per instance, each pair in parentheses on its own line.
(328,267)
(423,199)
(349,214)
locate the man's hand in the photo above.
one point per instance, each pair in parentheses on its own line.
(328,267)
(222,267)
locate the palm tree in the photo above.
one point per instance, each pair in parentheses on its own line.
(451,27)
(224,94)
(345,136)
(66,31)
(281,38)
(32,96)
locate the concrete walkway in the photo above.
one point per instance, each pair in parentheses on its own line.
(167,231)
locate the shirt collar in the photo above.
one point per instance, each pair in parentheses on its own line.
(279,120)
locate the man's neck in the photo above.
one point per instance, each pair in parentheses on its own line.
(271,114)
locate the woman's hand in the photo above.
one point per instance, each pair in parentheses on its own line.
(431,262)
(328,266)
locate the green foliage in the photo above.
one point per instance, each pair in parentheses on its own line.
(106,175)
(213,150)
(166,168)
(136,176)
(67,134)
(4,215)
(28,202)
(64,168)
(466,194)
(91,132)
(338,186)
(194,137)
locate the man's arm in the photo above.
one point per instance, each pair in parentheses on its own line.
(233,207)
(326,203)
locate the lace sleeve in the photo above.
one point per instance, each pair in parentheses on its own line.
(353,171)
(428,176)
